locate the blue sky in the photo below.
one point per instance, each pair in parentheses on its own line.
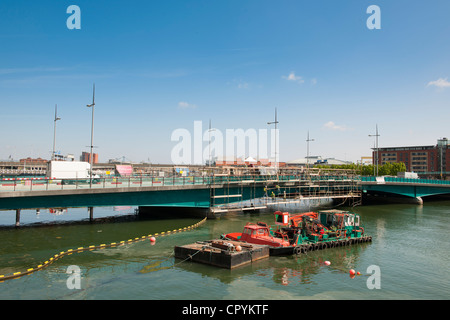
(161,65)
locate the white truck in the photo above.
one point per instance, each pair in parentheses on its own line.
(68,170)
(407,175)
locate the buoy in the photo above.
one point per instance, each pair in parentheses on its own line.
(327,263)
(358,273)
(352,272)
(152,239)
(238,248)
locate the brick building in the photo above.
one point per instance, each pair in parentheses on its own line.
(432,160)
(31,161)
(86,156)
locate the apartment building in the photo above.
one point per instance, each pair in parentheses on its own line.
(432,160)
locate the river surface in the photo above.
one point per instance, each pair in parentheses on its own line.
(407,259)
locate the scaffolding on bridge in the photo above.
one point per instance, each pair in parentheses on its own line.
(292,189)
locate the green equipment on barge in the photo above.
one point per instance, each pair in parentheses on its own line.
(325,229)
(305,232)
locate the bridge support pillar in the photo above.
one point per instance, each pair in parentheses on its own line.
(17,217)
(91,213)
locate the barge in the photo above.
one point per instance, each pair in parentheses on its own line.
(222,253)
(301,233)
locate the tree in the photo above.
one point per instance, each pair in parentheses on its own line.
(387,169)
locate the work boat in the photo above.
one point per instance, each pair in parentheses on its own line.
(304,232)
(260,233)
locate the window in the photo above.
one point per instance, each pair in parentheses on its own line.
(261,232)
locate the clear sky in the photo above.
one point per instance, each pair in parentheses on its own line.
(161,65)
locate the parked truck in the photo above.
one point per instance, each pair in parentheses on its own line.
(407,175)
(68,171)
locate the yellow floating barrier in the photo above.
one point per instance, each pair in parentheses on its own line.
(81,249)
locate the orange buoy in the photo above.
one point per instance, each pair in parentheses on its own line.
(238,248)
(327,263)
(352,272)
(358,273)
(152,239)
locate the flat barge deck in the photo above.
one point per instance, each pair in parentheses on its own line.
(222,253)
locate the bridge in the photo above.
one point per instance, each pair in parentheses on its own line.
(215,193)
(413,189)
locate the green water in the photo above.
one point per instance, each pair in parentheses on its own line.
(410,247)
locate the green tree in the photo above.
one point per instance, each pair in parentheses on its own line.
(387,169)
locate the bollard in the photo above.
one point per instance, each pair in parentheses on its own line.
(17,217)
(91,214)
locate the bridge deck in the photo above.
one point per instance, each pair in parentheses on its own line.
(166,191)
(213,192)
(415,188)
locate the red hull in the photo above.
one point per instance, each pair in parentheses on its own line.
(258,234)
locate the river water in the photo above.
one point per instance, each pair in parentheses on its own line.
(409,251)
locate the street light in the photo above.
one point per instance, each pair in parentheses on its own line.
(209,146)
(275,122)
(92,133)
(307,151)
(54,131)
(376,147)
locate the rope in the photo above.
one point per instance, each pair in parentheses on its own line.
(101,246)
(188,258)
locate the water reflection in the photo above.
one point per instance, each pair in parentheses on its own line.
(283,270)
(157,265)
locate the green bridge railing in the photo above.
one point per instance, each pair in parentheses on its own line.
(406,180)
(42,184)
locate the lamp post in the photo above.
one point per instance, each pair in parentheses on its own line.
(92,105)
(442,143)
(54,131)
(307,151)
(275,122)
(209,145)
(376,147)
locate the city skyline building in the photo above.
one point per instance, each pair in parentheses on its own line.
(86,156)
(427,160)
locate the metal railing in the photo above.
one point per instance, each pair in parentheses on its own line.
(43,184)
(405,180)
